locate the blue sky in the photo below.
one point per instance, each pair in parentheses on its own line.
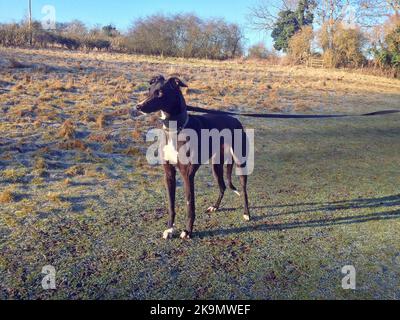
(122,12)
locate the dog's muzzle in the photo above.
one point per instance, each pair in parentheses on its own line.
(141,104)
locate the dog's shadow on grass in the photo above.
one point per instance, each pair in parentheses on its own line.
(335,215)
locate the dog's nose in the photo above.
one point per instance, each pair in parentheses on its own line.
(139,107)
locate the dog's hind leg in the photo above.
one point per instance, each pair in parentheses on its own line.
(243,182)
(229,172)
(218,171)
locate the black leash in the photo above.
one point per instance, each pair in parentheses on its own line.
(288,116)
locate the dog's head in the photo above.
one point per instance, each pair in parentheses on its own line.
(164,95)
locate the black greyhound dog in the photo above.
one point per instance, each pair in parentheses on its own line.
(165,96)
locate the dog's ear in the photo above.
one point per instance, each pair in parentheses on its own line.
(156,79)
(176,83)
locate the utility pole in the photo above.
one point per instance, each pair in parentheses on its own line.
(30,22)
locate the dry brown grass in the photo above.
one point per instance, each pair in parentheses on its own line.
(133,151)
(13,174)
(75,171)
(7,196)
(67,182)
(15,64)
(101,121)
(136,135)
(99,137)
(108,147)
(24,112)
(54,197)
(67,130)
(40,164)
(70,85)
(28,79)
(73,145)
(45,97)
(57,85)
(18,87)
(273,99)
(116,98)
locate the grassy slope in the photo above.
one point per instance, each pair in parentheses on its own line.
(325,194)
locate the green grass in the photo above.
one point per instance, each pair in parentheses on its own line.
(324,195)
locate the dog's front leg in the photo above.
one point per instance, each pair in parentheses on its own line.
(170,184)
(190,203)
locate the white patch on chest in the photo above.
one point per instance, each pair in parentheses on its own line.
(163,115)
(170,152)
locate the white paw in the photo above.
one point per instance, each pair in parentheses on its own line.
(185,235)
(168,234)
(212,209)
(246,217)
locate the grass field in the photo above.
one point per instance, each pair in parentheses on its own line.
(77,194)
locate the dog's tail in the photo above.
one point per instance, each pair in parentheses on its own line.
(229,172)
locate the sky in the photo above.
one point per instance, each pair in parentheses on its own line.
(121,13)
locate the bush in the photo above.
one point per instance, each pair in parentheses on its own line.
(258,51)
(69,43)
(99,44)
(19,35)
(185,36)
(44,39)
(343,47)
(388,55)
(300,45)
(14,34)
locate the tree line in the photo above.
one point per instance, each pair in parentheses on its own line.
(345,33)
(67,36)
(178,35)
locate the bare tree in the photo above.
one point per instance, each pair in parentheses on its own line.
(331,11)
(371,13)
(185,36)
(75,27)
(263,15)
(367,13)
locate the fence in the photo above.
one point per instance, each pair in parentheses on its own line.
(315,63)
